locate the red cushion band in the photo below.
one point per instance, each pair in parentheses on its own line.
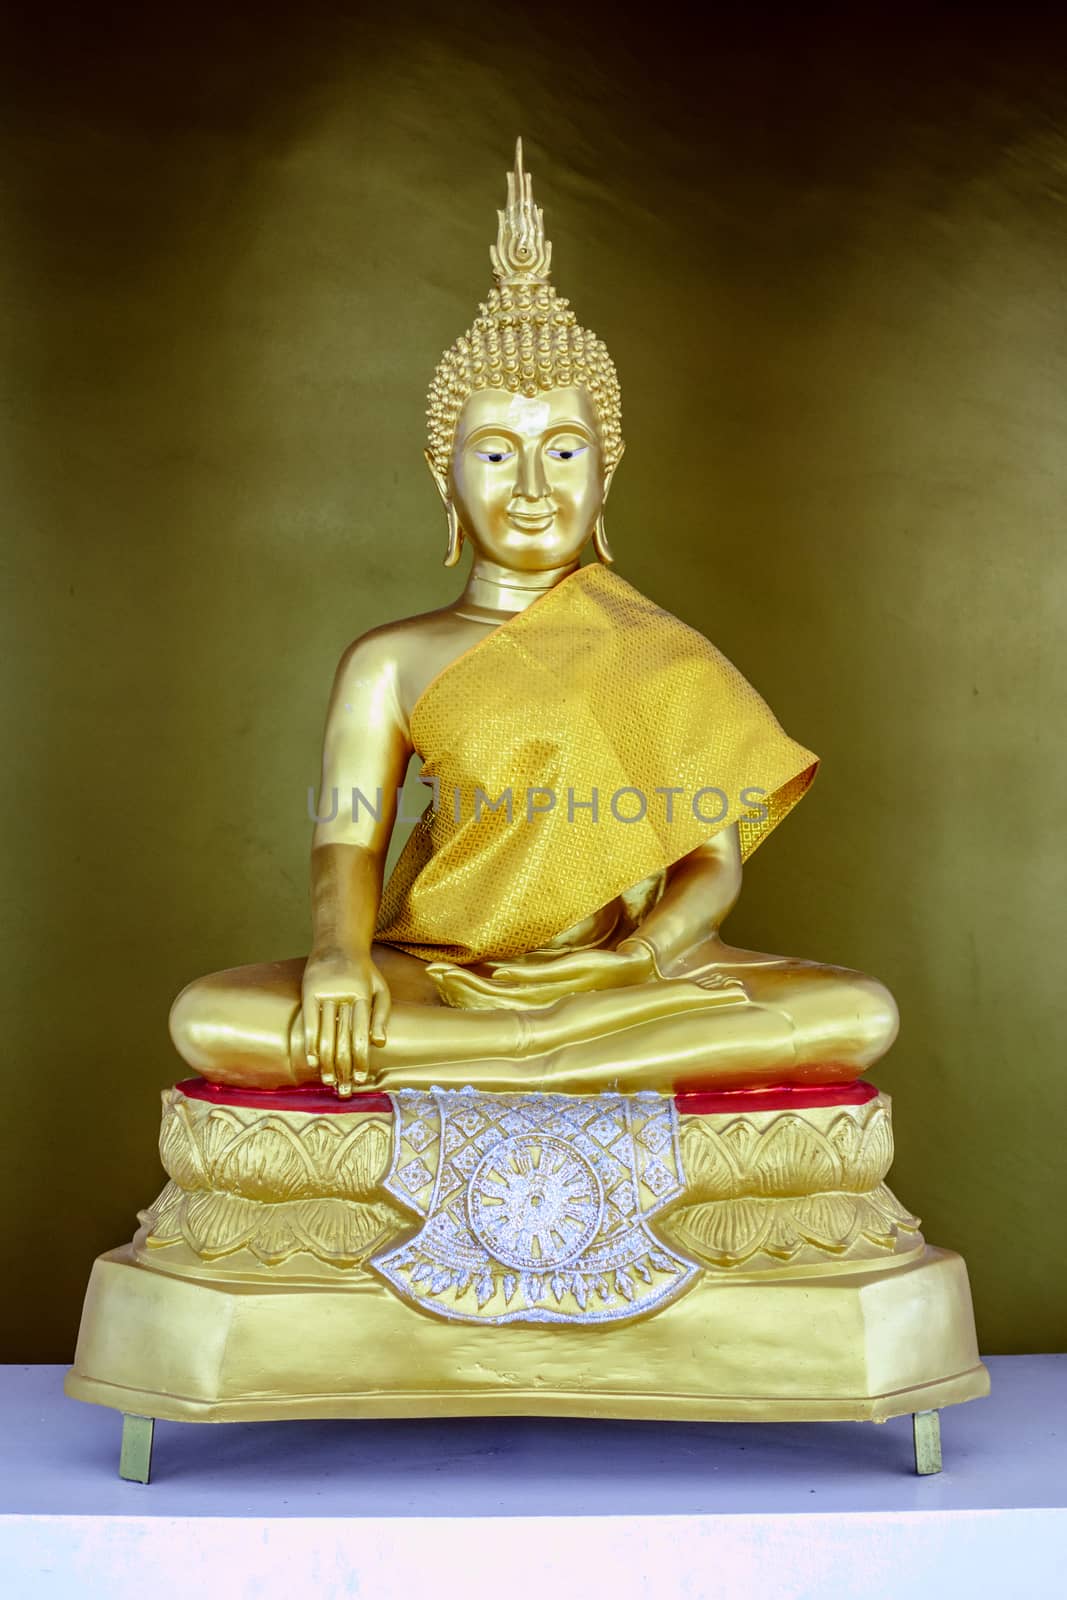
(315,1097)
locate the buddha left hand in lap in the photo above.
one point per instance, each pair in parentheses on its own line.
(557,944)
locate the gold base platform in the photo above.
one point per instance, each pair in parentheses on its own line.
(840,1346)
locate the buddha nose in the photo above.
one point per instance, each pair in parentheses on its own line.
(531,483)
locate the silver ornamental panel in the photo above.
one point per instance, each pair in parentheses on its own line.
(534,1202)
(534,1207)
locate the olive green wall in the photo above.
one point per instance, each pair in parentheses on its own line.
(830,268)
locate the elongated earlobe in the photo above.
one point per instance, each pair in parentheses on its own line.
(455,532)
(600,539)
(600,542)
(455,536)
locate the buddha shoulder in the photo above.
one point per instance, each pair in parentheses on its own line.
(397,661)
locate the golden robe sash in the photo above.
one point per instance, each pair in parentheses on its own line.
(593,694)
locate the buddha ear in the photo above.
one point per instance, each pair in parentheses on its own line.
(609,475)
(440,479)
(455,532)
(600,537)
(601,546)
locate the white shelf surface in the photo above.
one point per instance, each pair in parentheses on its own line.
(535,1507)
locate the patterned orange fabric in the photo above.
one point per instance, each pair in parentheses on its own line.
(591,688)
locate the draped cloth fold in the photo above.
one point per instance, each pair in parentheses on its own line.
(584,710)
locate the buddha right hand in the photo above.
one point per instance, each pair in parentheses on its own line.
(345,1005)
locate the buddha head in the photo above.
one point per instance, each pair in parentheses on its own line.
(525,419)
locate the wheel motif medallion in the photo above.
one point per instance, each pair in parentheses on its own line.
(534,1202)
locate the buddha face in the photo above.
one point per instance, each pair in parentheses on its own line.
(527,477)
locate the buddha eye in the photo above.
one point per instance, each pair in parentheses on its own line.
(567,452)
(494,457)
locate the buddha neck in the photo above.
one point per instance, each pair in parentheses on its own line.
(493,591)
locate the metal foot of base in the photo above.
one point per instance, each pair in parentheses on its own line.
(926,1430)
(135,1456)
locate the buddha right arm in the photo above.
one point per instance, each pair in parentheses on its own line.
(365,755)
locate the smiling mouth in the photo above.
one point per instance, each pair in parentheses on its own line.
(531,521)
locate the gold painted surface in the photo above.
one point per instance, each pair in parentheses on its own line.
(593,687)
(268,1189)
(524,331)
(858,1346)
(786,1189)
(727,1154)
(856,299)
(288,1239)
(822,1228)
(273,1155)
(252,1192)
(541,678)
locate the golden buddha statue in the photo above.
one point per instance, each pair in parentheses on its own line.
(527,1082)
(566,936)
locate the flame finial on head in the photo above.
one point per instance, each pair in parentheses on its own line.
(525,339)
(521,254)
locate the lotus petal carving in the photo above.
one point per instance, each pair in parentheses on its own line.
(215,1224)
(272,1156)
(785,1153)
(265,1161)
(179,1149)
(740,1232)
(762,1189)
(794,1158)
